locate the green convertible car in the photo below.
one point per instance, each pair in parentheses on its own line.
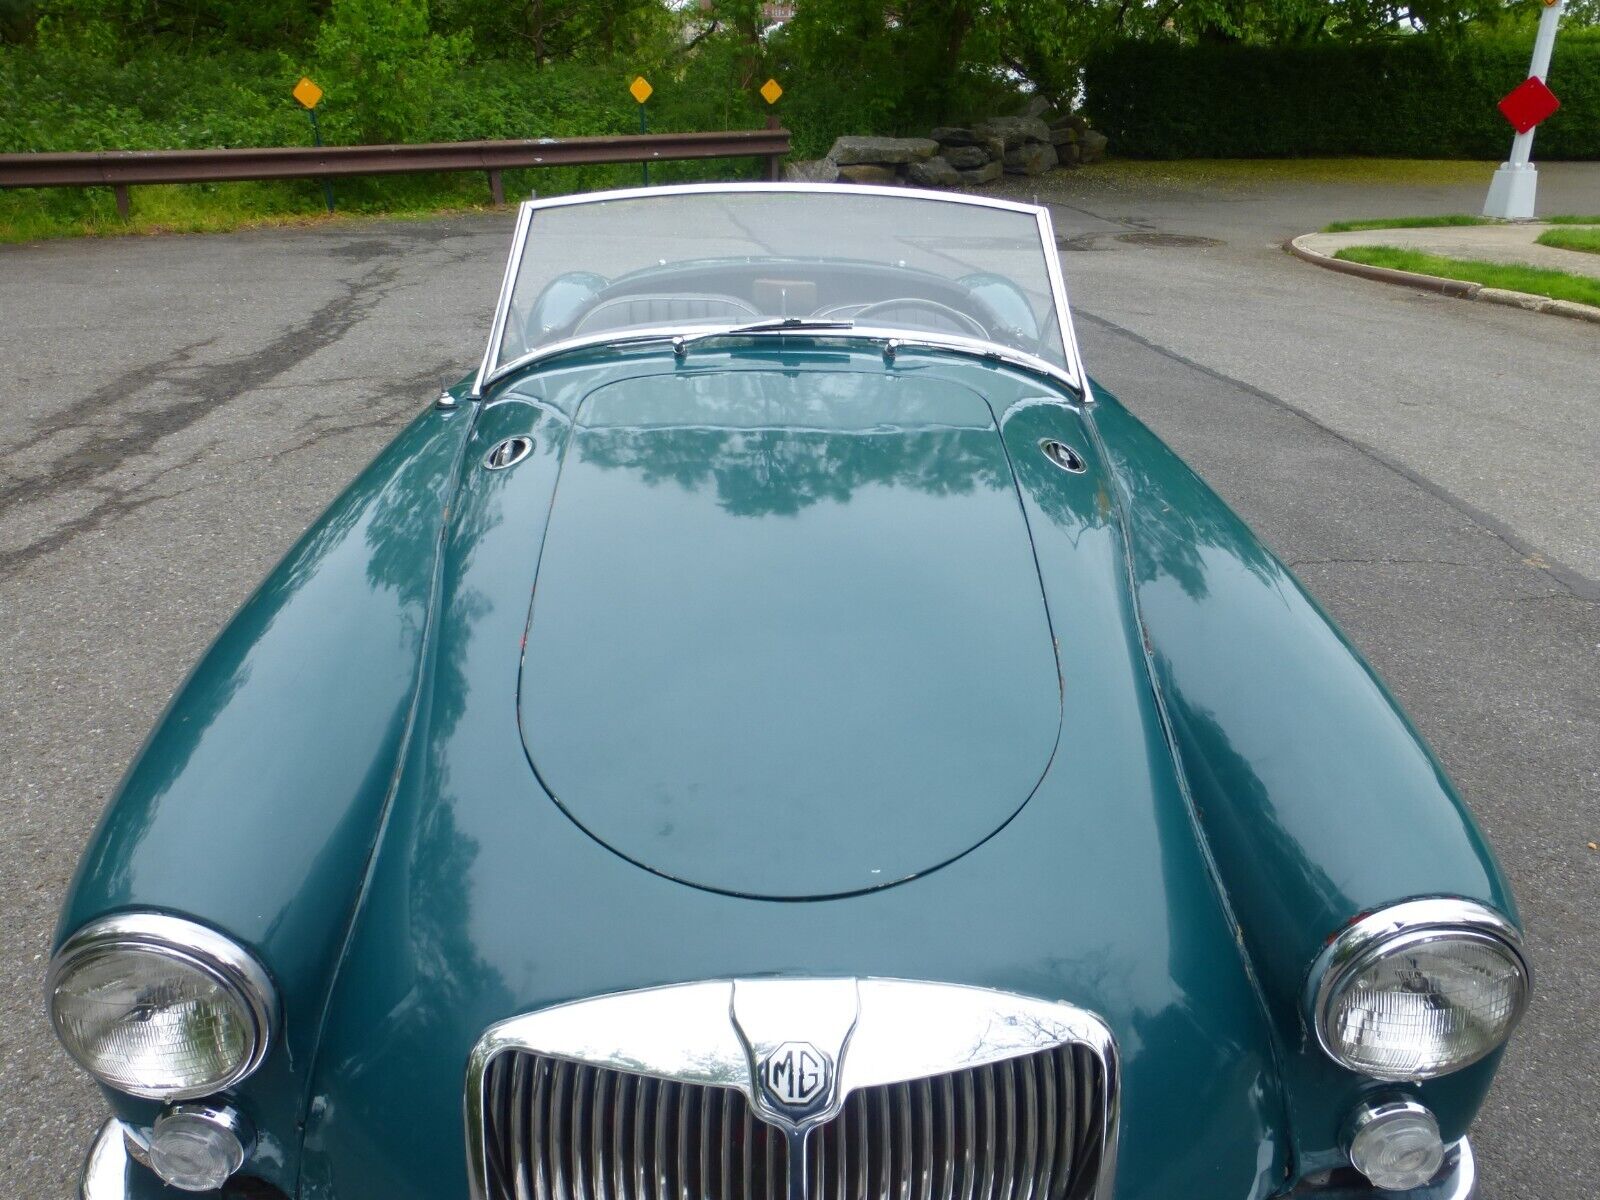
(780,731)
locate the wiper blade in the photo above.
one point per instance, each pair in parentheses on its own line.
(681,344)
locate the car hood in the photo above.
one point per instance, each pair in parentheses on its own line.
(787,637)
(485,900)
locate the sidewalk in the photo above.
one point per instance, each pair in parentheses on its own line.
(1490,243)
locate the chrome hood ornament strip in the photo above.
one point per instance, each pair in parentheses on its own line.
(796,1048)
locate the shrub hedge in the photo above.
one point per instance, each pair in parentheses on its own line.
(1407,98)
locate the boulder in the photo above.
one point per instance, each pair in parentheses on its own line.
(956,135)
(1070,121)
(936,172)
(811,170)
(988,173)
(1031,158)
(1068,155)
(1037,106)
(1091,146)
(1016,131)
(867,173)
(1063,135)
(847,151)
(967,158)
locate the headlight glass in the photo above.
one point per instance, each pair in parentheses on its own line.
(171,1014)
(1421,1002)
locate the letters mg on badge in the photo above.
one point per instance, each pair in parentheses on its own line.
(795,1074)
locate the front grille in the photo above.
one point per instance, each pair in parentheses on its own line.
(1027,1128)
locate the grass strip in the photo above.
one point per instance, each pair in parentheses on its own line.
(1447,219)
(1574,238)
(1406,223)
(1558,285)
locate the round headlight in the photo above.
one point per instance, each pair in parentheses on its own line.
(160,1007)
(1419,990)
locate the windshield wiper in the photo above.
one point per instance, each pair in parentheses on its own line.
(681,343)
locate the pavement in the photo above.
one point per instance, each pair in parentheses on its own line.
(1514,244)
(174,411)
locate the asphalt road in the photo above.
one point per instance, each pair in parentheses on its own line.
(174,411)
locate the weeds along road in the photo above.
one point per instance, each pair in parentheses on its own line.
(174,411)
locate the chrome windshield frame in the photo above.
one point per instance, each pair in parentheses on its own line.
(1072,374)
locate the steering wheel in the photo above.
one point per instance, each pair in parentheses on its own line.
(932,306)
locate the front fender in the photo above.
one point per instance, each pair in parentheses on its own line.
(255,803)
(1318,799)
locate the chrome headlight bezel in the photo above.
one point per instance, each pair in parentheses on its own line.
(1408,925)
(192,946)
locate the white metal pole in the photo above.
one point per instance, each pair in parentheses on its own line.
(1516,182)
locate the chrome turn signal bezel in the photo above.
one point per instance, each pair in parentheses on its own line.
(188,943)
(1409,923)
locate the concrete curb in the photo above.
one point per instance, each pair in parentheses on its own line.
(1460,288)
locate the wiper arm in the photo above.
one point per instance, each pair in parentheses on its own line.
(681,343)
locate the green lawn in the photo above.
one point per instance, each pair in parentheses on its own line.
(1445,220)
(1558,285)
(1406,223)
(1587,240)
(29,215)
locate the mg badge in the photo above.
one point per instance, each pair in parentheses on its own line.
(795,1075)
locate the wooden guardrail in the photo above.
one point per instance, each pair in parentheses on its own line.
(120,169)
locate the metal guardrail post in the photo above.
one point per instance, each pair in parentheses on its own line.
(775,161)
(497,191)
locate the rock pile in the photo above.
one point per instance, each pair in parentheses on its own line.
(1032,142)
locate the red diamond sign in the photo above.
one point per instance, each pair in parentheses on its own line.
(1528,103)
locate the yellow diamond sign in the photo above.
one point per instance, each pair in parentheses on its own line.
(770,91)
(641,89)
(307,92)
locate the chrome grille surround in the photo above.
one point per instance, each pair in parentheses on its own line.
(923,1091)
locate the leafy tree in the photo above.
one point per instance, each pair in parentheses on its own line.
(552,30)
(384,64)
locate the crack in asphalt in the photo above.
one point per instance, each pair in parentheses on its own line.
(118,503)
(206,386)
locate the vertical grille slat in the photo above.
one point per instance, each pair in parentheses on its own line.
(859,1128)
(643,1185)
(711,1103)
(621,1109)
(841,1136)
(602,1187)
(1005,1149)
(578,1168)
(747,1184)
(1069,1121)
(927,1152)
(1026,1128)
(947,1096)
(507,1093)
(1028,1176)
(686,1098)
(772,1190)
(986,1148)
(1047,1127)
(554,1148)
(660,1174)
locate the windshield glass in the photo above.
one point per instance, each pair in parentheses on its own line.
(685,261)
